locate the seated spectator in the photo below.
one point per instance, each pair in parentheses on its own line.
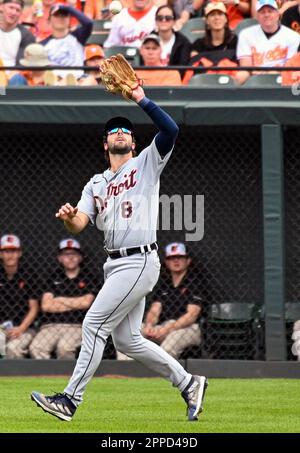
(13,37)
(39,19)
(283,5)
(183,11)
(93,56)
(68,294)
(291,18)
(173,317)
(291,77)
(65,48)
(18,298)
(218,46)
(175,47)
(237,10)
(150,52)
(296,338)
(34,55)
(269,43)
(131,25)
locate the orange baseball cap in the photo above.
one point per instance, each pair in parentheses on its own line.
(93,50)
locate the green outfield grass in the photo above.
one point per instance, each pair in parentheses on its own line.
(154,406)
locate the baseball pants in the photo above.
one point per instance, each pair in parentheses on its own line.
(118,311)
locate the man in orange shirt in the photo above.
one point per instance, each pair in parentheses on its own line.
(150,51)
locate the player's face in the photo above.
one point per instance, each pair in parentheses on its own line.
(268,18)
(216,20)
(119,141)
(11,257)
(11,13)
(70,259)
(177,263)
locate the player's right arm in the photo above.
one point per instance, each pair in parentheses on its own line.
(74,220)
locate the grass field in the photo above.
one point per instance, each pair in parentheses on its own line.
(152,406)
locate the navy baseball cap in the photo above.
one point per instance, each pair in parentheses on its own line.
(117,121)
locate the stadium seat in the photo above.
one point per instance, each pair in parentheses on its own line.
(230,331)
(263,80)
(100,32)
(130,53)
(212,80)
(245,23)
(102,25)
(194,28)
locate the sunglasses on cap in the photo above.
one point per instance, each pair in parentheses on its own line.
(166,18)
(116,129)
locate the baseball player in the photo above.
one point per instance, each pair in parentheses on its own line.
(123,201)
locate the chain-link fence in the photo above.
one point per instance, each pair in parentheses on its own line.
(45,166)
(292,222)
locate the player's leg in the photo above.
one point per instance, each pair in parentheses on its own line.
(128,339)
(44,342)
(69,342)
(18,348)
(178,340)
(128,281)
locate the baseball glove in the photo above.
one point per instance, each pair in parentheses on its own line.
(118,76)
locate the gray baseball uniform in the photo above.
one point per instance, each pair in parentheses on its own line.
(125,205)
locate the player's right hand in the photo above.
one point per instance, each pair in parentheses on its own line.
(66,212)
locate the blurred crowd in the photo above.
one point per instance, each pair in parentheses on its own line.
(150,33)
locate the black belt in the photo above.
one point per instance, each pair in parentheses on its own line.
(131,250)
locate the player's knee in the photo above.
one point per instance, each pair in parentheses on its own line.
(129,345)
(13,351)
(120,345)
(36,351)
(65,353)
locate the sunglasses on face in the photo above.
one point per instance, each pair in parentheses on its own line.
(116,129)
(166,18)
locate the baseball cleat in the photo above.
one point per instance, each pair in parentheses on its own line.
(193,395)
(59,405)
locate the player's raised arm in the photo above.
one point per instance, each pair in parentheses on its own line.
(74,220)
(168,129)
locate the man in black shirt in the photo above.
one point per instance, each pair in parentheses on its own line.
(18,299)
(172,320)
(68,294)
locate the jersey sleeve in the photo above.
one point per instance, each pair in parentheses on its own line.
(152,162)
(87,203)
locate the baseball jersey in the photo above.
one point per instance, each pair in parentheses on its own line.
(124,205)
(273,51)
(60,285)
(127,31)
(175,300)
(15,294)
